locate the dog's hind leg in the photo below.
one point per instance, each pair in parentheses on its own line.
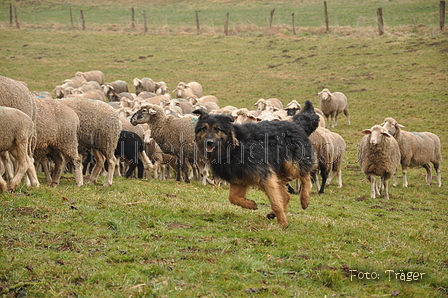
(237,195)
(305,190)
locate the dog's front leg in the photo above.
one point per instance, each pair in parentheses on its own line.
(305,191)
(237,195)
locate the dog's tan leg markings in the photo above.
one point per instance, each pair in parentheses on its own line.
(275,192)
(305,190)
(237,195)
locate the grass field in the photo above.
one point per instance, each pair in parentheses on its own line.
(148,238)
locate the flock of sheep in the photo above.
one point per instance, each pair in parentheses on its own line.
(103,127)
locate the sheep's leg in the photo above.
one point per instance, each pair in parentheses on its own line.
(324,175)
(9,168)
(237,195)
(347,115)
(59,163)
(385,184)
(99,163)
(405,177)
(339,177)
(112,163)
(22,164)
(395,179)
(428,173)
(373,189)
(439,175)
(3,185)
(315,179)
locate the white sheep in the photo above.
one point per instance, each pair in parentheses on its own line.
(100,128)
(18,136)
(144,84)
(57,135)
(92,75)
(329,148)
(111,90)
(378,155)
(15,94)
(333,103)
(417,149)
(274,103)
(191,91)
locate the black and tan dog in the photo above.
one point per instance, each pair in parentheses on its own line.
(267,154)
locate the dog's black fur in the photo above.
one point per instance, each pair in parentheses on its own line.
(267,154)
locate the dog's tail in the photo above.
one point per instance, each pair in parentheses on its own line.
(307,118)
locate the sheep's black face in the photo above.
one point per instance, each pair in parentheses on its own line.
(141,116)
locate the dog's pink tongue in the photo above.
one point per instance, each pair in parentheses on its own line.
(210,149)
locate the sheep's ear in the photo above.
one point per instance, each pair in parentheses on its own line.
(385,133)
(366,131)
(201,112)
(399,125)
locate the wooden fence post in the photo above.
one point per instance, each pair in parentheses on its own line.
(16,18)
(10,14)
(197,21)
(71,17)
(83,21)
(293,26)
(271,17)
(327,28)
(144,20)
(442,14)
(379,14)
(132,18)
(226,25)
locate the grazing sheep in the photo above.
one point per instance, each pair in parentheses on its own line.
(145,84)
(378,155)
(161,88)
(92,94)
(92,75)
(17,136)
(417,149)
(174,135)
(99,131)
(329,148)
(332,104)
(57,135)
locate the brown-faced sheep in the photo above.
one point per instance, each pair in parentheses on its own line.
(99,131)
(333,103)
(378,155)
(417,149)
(57,135)
(174,135)
(17,136)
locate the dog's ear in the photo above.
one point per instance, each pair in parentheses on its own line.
(228,117)
(202,113)
(308,107)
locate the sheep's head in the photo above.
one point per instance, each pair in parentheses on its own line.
(377,134)
(392,126)
(146,114)
(261,104)
(325,94)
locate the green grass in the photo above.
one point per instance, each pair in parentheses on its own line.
(147,238)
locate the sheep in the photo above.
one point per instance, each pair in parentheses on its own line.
(92,75)
(274,103)
(115,88)
(332,104)
(174,135)
(145,84)
(378,155)
(17,136)
(417,149)
(92,94)
(329,148)
(15,94)
(161,88)
(293,107)
(191,91)
(57,134)
(99,131)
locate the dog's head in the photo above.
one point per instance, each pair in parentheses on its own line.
(214,134)
(307,118)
